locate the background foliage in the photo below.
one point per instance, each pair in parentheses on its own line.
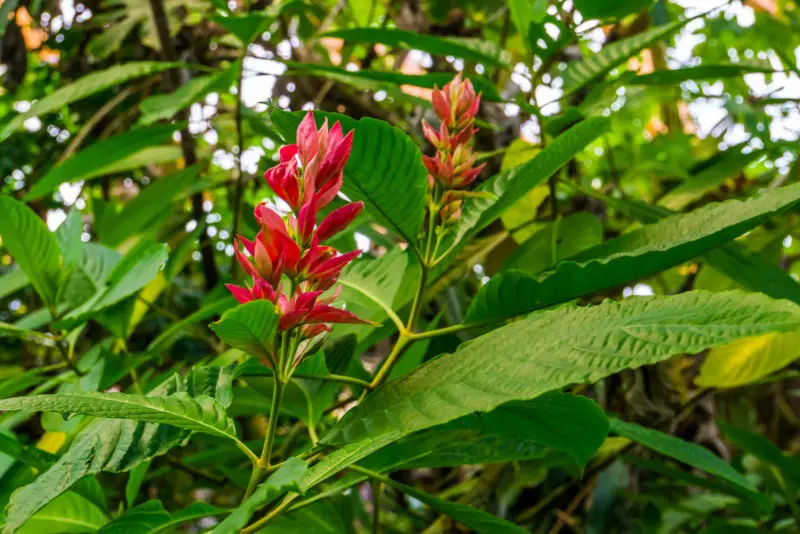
(604,340)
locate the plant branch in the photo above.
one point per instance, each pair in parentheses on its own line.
(187,141)
(344,379)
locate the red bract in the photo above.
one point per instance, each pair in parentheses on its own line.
(456,104)
(307,308)
(312,168)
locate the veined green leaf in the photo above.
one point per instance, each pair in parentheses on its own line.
(579,73)
(726,165)
(68,235)
(86,86)
(748,360)
(546,351)
(385,170)
(146,206)
(407,40)
(115,445)
(136,269)
(688,453)
(33,246)
(286,478)
(509,187)
(250,327)
(200,414)
(92,161)
(369,282)
(643,252)
(703,72)
(428,81)
(751,271)
(69,512)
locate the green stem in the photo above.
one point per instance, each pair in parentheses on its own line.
(377,489)
(269,440)
(397,351)
(344,379)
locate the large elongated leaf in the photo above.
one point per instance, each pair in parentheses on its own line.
(724,166)
(200,414)
(68,513)
(385,170)
(640,253)
(474,518)
(86,86)
(90,163)
(12,281)
(286,478)
(509,187)
(33,246)
(751,271)
(748,360)
(407,40)
(428,81)
(151,517)
(703,72)
(146,206)
(158,107)
(579,73)
(250,328)
(368,283)
(136,269)
(115,445)
(688,453)
(547,351)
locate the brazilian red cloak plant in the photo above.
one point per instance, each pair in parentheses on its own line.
(452,167)
(308,177)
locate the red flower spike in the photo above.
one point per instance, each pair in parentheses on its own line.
(329,314)
(338,220)
(242,259)
(333,266)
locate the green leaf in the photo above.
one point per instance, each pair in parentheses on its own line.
(688,453)
(68,235)
(33,246)
(385,170)
(94,160)
(142,519)
(136,269)
(286,478)
(165,106)
(474,518)
(369,282)
(146,206)
(200,414)
(591,9)
(555,241)
(511,186)
(748,360)
(588,69)
(406,40)
(68,513)
(643,252)
(134,483)
(429,80)
(192,512)
(10,330)
(12,281)
(179,329)
(547,351)
(251,328)
(5,11)
(88,85)
(703,72)
(763,449)
(106,43)
(245,27)
(115,445)
(723,166)
(570,423)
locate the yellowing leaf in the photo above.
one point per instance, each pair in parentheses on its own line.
(748,360)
